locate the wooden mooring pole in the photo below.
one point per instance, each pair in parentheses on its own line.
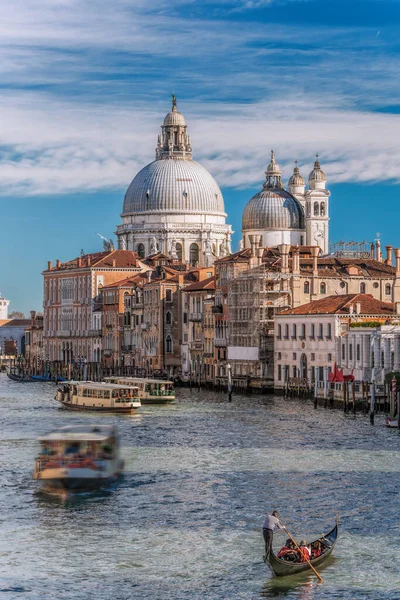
(372,410)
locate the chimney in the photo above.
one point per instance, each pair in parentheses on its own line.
(58,263)
(89,260)
(378,251)
(296,261)
(49,265)
(372,250)
(284,250)
(358,308)
(314,253)
(79,262)
(33,315)
(389,255)
(114,262)
(351,309)
(397,257)
(148,276)
(397,308)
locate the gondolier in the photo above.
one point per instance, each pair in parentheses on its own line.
(270,524)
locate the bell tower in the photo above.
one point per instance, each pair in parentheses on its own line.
(317,209)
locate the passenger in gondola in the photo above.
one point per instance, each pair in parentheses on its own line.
(305,552)
(316,549)
(288,552)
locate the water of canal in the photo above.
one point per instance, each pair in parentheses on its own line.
(185,520)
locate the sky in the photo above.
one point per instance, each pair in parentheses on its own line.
(85,84)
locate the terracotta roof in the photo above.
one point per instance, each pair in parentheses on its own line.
(241,256)
(122,258)
(206,284)
(15,322)
(341,305)
(128,281)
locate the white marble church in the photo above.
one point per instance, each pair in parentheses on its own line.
(174,205)
(295,216)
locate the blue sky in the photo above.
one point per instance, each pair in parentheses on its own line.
(84,87)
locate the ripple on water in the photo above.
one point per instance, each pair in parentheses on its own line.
(184,521)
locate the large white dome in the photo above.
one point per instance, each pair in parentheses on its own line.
(173,185)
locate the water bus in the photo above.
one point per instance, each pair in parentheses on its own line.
(151,391)
(102,397)
(78,458)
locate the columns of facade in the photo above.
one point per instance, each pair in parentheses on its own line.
(284,251)
(377,370)
(396,287)
(396,352)
(387,355)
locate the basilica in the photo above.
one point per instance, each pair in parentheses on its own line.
(174,206)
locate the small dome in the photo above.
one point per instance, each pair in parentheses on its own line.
(273,167)
(317,173)
(273,208)
(174,118)
(296,179)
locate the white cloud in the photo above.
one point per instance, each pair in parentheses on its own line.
(85,86)
(51,147)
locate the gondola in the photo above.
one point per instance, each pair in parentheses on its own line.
(19,378)
(282,567)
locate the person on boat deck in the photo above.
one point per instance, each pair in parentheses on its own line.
(270,524)
(288,552)
(305,552)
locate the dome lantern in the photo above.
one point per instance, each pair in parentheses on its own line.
(273,174)
(317,178)
(174,141)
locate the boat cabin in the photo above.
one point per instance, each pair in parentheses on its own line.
(147,387)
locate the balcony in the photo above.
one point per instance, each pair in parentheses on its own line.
(107,353)
(195,316)
(218,342)
(94,332)
(145,326)
(196,345)
(217,309)
(128,348)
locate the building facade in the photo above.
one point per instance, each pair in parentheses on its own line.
(310,338)
(72,305)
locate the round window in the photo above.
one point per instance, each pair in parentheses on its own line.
(342,284)
(376,284)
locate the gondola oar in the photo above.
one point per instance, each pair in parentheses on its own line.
(309,564)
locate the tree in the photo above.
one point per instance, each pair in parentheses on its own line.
(16,314)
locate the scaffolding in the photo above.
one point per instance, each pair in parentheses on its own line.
(253,298)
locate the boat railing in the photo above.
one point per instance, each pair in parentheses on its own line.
(57,462)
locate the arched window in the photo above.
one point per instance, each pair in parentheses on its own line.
(358,352)
(141,251)
(193,254)
(362,288)
(350,351)
(388,289)
(179,252)
(306,287)
(322,211)
(316,209)
(168,344)
(168,318)
(322,288)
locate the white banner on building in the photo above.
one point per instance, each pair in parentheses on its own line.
(242,353)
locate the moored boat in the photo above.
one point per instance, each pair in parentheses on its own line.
(101,397)
(19,377)
(283,567)
(78,458)
(151,391)
(393,423)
